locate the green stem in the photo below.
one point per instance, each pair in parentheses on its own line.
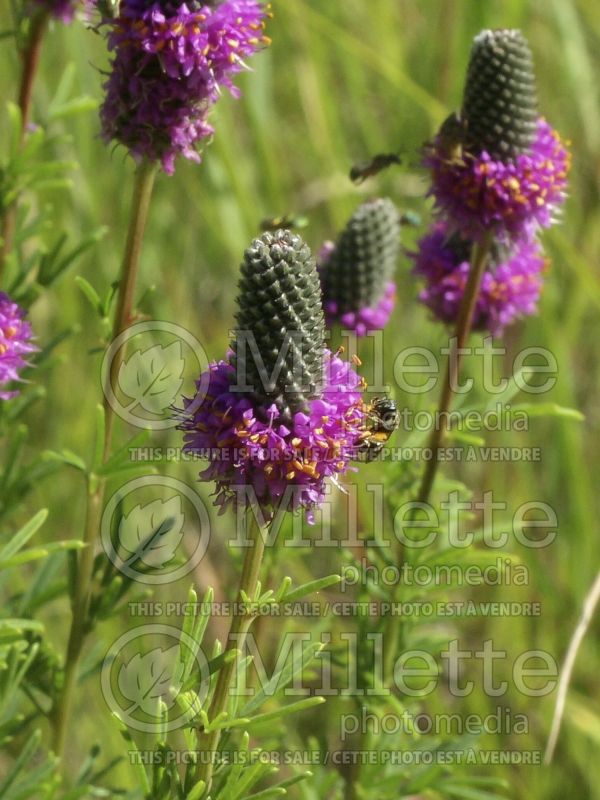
(394,627)
(30,57)
(240,625)
(479,259)
(61,712)
(142,195)
(95,489)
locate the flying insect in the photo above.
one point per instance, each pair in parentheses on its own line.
(367,169)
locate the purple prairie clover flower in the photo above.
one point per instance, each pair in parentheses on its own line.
(510,288)
(170,63)
(498,166)
(365,319)
(357,271)
(274,436)
(287,460)
(15,344)
(153,117)
(207,43)
(479,193)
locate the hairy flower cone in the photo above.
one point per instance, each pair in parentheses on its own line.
(275,447)
(357,274)
(279,309)
(500,101)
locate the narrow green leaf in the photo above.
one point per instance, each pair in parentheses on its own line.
(20,625)
(89,293)
(22,536)
(12,456)
(281,679)
(549,410)
(53,270)
(66,457)
(23,557)
(197,791)
(285,585)
(229,789)
(137,763)
(24,760)
(311,587)
(467,793)
(276,791)
(284,711)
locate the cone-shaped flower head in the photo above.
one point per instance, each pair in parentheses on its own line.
(281,414)
(171,61)
(280,317)
(15,344)
(498,166)
(357,273)
(510,288)
(500,99)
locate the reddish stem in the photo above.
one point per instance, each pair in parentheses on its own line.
(30,57)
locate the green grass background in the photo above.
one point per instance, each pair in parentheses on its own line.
(343,79)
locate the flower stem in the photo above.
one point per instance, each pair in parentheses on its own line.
(30,57)
(61,712)
(240,625)
(479,259)
(31,60)
(95,487)
(142,195)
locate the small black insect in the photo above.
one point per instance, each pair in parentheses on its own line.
(366,169)
(287,221)
(451,138)
(382,420)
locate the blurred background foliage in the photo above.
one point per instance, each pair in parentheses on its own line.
(344,80)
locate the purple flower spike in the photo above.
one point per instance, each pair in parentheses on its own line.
(478,193)
(357,271)
(498,167)
(171,61)
(15,344)
(282,414)
(510,288)
(281,463)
